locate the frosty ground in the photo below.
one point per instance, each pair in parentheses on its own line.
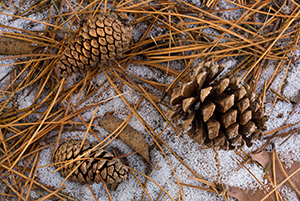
(204,162)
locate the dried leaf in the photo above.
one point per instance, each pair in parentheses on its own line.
(265,159)
(247,195)
(11,46)
(131,137)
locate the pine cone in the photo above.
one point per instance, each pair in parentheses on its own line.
(100,163)
(101,40)
(219,113)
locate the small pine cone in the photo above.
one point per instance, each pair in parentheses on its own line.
(219,113)
(100,40)
(101,163)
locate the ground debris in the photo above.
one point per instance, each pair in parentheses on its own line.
(266,160)
(12,46)
(131,137)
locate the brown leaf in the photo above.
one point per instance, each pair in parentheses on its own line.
(247,195)
(131,137)
(263,158)
(280,176)
(266,160)
(12,46)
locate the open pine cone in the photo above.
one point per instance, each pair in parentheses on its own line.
(219,113)
(101,163)
(100,40)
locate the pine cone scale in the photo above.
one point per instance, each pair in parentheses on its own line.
(229,118)
(213,127)
(232,131)
(207,110)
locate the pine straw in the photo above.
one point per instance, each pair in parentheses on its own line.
(184,39)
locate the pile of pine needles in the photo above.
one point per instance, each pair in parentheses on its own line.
(188,33)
